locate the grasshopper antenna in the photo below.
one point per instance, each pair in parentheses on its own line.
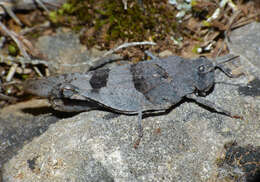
(231,84)
(225,59)
(220,62)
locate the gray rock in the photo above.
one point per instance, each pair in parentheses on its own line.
(65,52)
(67,55)
(245,42)
(182,145)
(18,126)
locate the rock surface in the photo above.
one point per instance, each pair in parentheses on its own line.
(245,42)
(67,55)
(64,52)
(182,145)
(18,125)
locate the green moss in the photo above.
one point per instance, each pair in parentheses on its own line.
(206,23)
(195,49)
(24,76)
(67,7)
(53,16)
(134,24)
(13,50)
(194,3)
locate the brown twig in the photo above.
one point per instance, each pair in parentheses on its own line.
(15,38)
(23,61)
(229,26)
(7,98)
(8,6)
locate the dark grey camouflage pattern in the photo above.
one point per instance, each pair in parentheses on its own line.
(148,86)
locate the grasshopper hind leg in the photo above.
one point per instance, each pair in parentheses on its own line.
(140,129)
(211,105)
(70,105)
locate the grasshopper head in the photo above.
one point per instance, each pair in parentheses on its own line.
(203,76)
(204,69)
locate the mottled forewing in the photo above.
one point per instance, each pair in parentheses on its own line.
(154,81)
(146,86)
(113,88)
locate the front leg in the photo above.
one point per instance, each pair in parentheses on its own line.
(219,64)
(211,105)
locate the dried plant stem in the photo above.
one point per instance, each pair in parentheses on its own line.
(111,51)
(15,37)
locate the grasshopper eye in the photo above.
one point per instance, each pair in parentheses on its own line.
(201,68)
(68,90)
